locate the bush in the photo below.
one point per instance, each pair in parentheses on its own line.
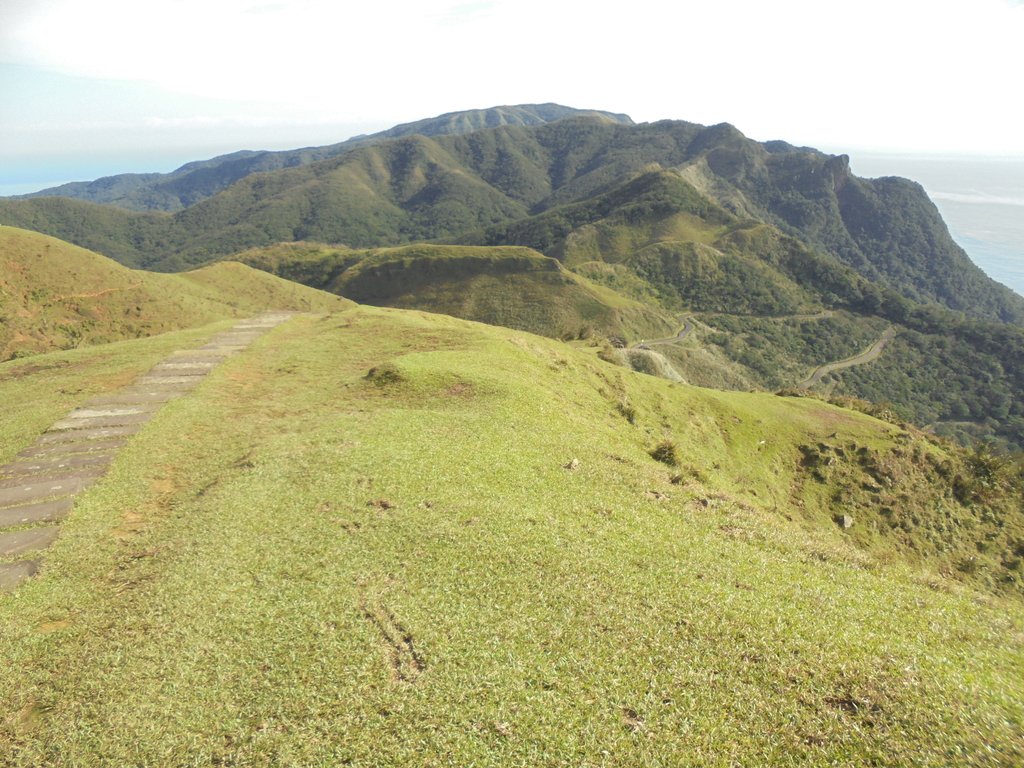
(384,374)
(666,452)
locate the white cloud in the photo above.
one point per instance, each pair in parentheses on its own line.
(926,74)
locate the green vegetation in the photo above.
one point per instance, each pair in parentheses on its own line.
(56,296)
(297,564)
(935,379)
(781,351)
(510,286)
(658,241)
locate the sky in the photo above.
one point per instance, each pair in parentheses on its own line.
(110,86)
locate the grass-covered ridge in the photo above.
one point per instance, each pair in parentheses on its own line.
(495,549)
(54,295)
(510,286)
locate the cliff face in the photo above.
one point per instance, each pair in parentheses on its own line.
(887,229)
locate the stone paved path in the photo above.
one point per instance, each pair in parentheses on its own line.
(38,487)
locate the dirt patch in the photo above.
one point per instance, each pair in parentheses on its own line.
(49,627)
(27,370)
(131,524)
(632,720)
(460,389)
(163,486)
(30,716)
(853,706)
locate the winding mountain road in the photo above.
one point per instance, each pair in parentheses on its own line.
(871,353)
(683,333)
(687,321)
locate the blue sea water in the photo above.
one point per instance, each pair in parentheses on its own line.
(980,198)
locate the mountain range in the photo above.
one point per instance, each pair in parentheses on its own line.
(201,179)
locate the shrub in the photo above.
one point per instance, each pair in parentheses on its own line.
(384,374)
(666,452)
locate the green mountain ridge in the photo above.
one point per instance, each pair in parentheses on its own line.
(769,308)
(507,286)
(679,217)
(196,181)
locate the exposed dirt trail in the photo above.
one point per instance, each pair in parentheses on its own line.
(96,294)
(688,326)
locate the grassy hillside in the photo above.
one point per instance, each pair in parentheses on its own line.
(386,537)
(54,295)
(509,286)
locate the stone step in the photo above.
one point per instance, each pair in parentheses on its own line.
(92,422)
(42,490)
(98,422)
(197,355)
(80,448)
(164,380)
(44,512)
(83,435)
(75,472)
(92,412)
(225,349)
(13,574)
(32,539)
(234,334)
(151,397)
(57,465)
(230,343)
(183,369)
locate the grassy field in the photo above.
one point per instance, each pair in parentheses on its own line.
(382,537)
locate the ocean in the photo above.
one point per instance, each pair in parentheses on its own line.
(980,198)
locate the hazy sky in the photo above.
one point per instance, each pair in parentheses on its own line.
(108,86)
